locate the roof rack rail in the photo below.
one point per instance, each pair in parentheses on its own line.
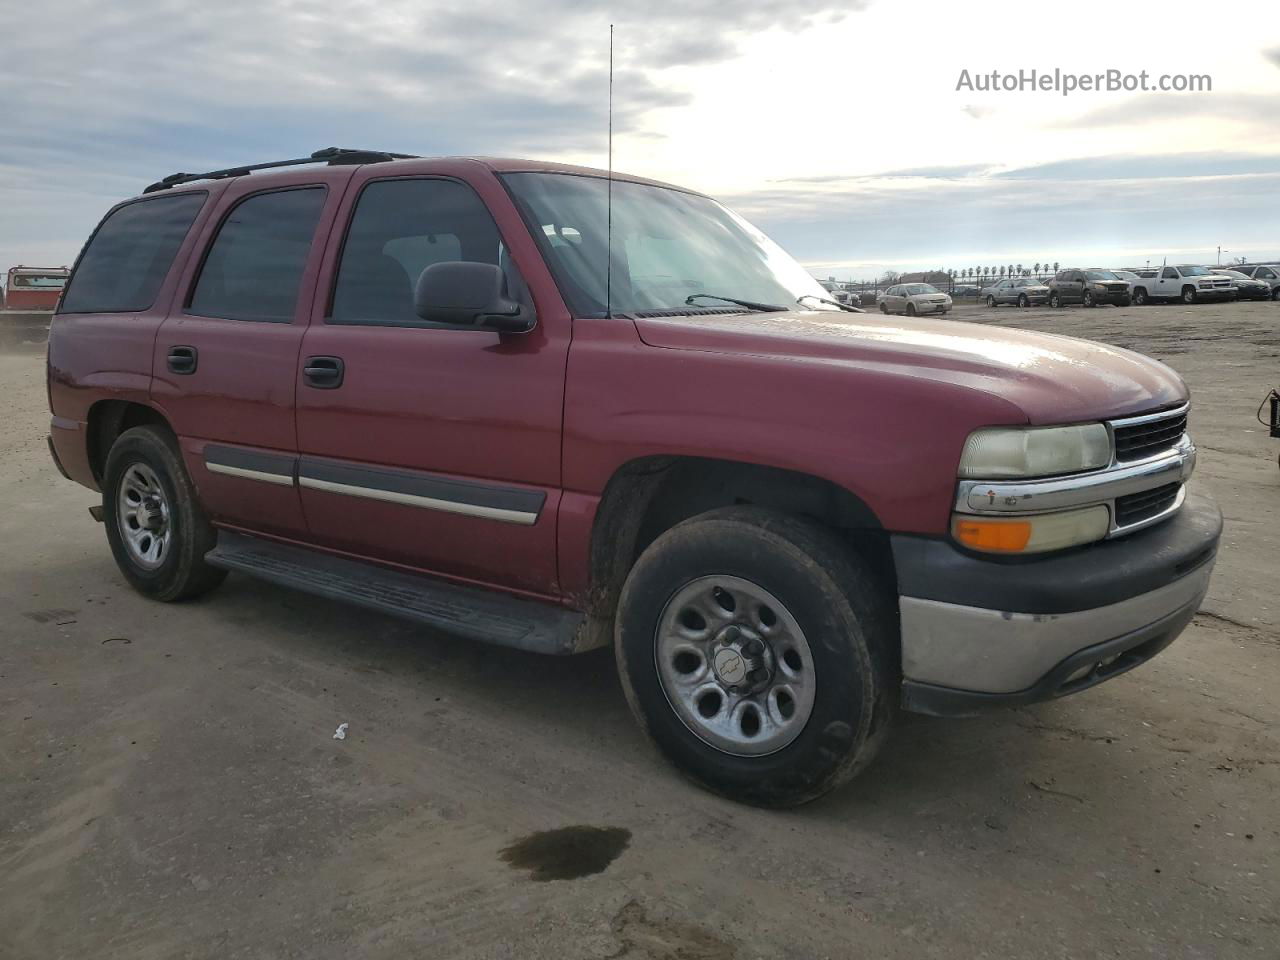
(334,156)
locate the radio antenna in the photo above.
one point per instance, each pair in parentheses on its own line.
(608,270)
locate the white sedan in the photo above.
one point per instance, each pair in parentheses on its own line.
(913,299)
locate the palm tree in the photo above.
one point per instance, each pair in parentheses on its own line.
(1037,268)
(1055,266)
(1019,269)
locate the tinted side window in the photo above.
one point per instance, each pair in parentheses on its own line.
(1170,273)
(128,256)
(1266,273)
(254,268)
(399,228)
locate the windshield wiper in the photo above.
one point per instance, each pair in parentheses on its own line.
(846,307)
(749,304)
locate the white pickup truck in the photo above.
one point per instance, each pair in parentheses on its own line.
(1184,282)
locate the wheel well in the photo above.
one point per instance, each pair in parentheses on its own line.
(647,497)
(110,418)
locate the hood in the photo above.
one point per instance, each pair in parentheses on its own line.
(1051,378)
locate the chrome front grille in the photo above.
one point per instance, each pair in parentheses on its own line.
(1137,438)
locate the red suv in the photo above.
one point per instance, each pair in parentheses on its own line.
(541,406)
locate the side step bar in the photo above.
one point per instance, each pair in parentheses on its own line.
(469,612)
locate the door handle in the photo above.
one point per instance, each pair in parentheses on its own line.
(323,373)
(183,360)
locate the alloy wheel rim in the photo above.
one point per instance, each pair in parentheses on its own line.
(143,516)
(735,666)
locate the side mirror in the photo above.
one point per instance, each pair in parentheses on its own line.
(470,294)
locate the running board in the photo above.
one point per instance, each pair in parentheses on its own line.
(470,612)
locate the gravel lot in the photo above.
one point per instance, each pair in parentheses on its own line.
(171,788)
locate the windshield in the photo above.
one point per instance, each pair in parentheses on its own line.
(914,289)
(667,246)
(46,282)
(1194,271)
(1126,275)
(1101,275)
(1235,274)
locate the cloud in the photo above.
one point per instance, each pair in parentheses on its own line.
(1152,166)
(952,223)
(1273,55)
(949,172)
(102,98)
(1251,109)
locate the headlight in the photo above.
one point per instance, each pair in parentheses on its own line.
(1101,288)
(998,453)
(1047,531)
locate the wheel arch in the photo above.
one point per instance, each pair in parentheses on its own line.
(649,495)
(107,420)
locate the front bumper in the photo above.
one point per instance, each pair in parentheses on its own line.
(980,633)
(1216,293)
(1117,298)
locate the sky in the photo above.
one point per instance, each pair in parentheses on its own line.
(837,128)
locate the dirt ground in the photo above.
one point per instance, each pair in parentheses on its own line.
(170,785)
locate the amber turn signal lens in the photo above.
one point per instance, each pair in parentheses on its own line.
(1002,536)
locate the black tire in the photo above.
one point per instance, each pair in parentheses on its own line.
(1055,301)
(1189,295)
(991,302)
(181,572)
(1023,301)
(911,309)
(1087,299)
(1140,297)
(884,309)
(1275,294)
(1127,301)
(836,602)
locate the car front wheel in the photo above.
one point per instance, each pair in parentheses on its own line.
(157,529)
(1055,301)
(991,301)
(755,650)
(1188,294)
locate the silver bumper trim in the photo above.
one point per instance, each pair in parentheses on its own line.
(993,651)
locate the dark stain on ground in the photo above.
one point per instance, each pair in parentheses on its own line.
(567,853)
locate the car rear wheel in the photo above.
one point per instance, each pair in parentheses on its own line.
(756,651)
(157,529)
(1140,297)
(1188,294)
(1055,301)
(911,309)
(991,301)
(1275,294)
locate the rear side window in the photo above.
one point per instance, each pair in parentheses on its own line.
(254,268)
(129,254)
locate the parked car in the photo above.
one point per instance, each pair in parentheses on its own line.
(1247,288)
(1268,273)
(1022,291)
(32,289)
(411,385)
(1189,283)
(1091,288)
(1128,276)
(914,298)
